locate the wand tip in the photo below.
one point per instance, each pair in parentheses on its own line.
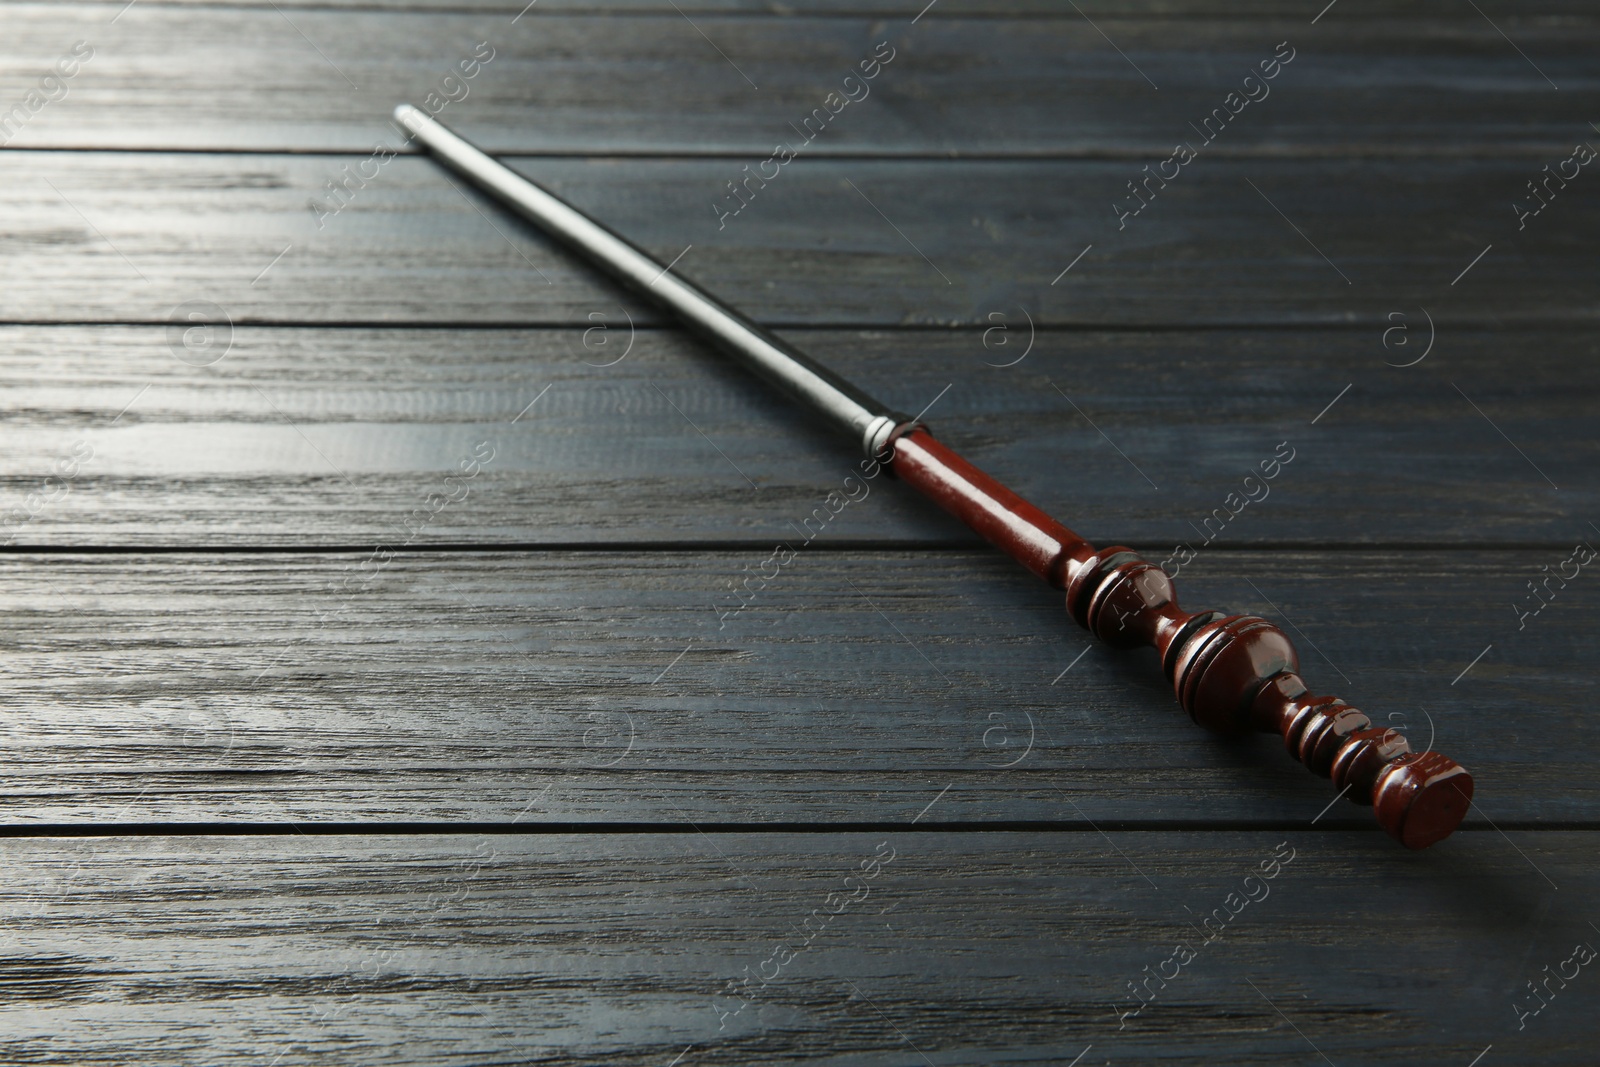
(406,116)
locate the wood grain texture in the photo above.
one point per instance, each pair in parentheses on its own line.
(130,237)
(963,949)
(1514,10)
(609,687)
(253,78)
(333,436)
(689,781)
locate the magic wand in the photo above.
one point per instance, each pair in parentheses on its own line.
(1232,673)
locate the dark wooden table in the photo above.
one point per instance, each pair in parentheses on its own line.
(370,693)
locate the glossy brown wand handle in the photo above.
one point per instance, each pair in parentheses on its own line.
(1232,673)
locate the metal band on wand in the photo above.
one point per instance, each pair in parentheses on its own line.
(1232,673)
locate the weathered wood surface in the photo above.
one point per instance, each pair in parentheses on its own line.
(1515,11)
(588,695)
(961,949)
(254,78)
(560,686)
(333,436)
(114,237)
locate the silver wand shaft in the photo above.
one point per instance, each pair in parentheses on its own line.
(844,406)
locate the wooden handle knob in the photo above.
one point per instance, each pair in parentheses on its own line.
(1232,673)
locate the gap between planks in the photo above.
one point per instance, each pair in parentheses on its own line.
(972,546)
(1356,824)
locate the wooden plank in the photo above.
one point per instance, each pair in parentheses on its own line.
(253,78)
(1514,10)
(627,949)
(131,238)
(618,687)
(334,436)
